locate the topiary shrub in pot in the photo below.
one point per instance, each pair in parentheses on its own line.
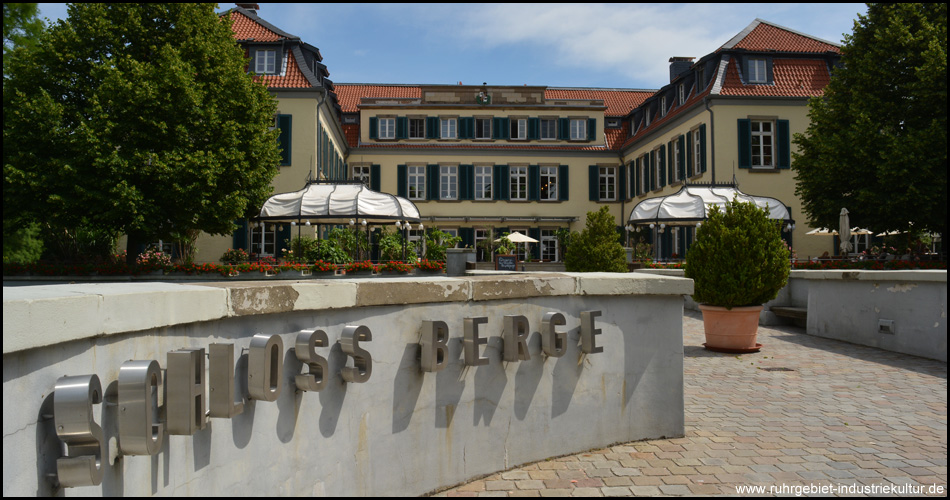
(737,263)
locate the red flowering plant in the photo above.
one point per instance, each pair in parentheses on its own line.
(365,265)
(153,260)
(394,267)
(431,265)
(322,266)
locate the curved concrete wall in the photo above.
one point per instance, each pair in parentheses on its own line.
(402,432)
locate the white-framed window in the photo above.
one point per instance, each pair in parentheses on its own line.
(549,245)
(387,128)
(448,182)
(481,234)
(663,106)
(519,129)
(449,128)
(682,93)
(548,128)
(417,241)
(361,173)
(417,128)
(483,128)
(642,175)
(693,167)
(417,182)
(757,71)
(483,182)
(519,183)
(548,184)
(608,183)
(578,129)
(674,158)
(265,62)
(646,117)
(675,241)
(657,168)
(263,238)
(763,144)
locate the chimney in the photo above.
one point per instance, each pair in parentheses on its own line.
(253,7)
(679,65)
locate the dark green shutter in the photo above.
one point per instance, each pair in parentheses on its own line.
(501,187)
(563,129)
(374,180)
(534,182)
(239,238)
(593,183)
(681,158)
(432,182)
(784,145)
(500,127)
(651,175)
(535,232)
(689,153)
(636,177)
(433,129)
(702,148)
(745,143)
(283,239)
(662,167)
(466,182)
(373,127)
(285,123)
(467,127)
(563,182)
(669,164)
(402,181)
(402,127)
(534,129)
(591,129)
(468,237)
(622,182)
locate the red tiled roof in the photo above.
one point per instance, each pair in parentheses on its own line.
(293,78)
(245,28)
(350,95)
(767,37)
(792,77)
(352,133)
(615,136)
(618,102)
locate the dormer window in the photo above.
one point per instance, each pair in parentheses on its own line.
(663,106)
(265,62)
(682,93)
(758,71)
(646,117)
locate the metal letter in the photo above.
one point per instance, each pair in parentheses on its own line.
(516,338)
(588,332)
(265,364)
(185,392)
(553,342)
(140,430)
(434,344)
(75,426)
(304,348)
(362,361)
(221,399)
(471,341)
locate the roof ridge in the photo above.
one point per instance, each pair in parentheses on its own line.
(799,33)
(257,19)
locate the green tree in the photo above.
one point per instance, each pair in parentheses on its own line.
(136,119)
(597,248)
(877,142)
(21,26)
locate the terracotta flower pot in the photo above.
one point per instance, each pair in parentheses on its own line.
(731,330)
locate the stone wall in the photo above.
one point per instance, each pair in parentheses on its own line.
(403,431)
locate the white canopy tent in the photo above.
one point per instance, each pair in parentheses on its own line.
(692,204)
(335,203)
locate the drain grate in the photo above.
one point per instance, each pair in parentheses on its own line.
(777,369)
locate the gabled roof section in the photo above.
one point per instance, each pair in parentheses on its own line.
(351,93)
(793,78)
(248,26)
(763,36)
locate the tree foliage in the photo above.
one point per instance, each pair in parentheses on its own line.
(597,248)
(738,258)
(137,119)
(877,143)
(21,26)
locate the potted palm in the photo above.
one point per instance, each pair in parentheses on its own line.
(737,263)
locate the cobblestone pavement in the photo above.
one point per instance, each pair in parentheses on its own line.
(804,411)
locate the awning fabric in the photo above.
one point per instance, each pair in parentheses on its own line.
(333,202)
(692,204)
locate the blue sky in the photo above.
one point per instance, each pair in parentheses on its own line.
(558,45)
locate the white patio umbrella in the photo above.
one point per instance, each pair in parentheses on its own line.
(822,230)
(844,231)
(517,237)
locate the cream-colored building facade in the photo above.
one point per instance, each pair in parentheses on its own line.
(481,158)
